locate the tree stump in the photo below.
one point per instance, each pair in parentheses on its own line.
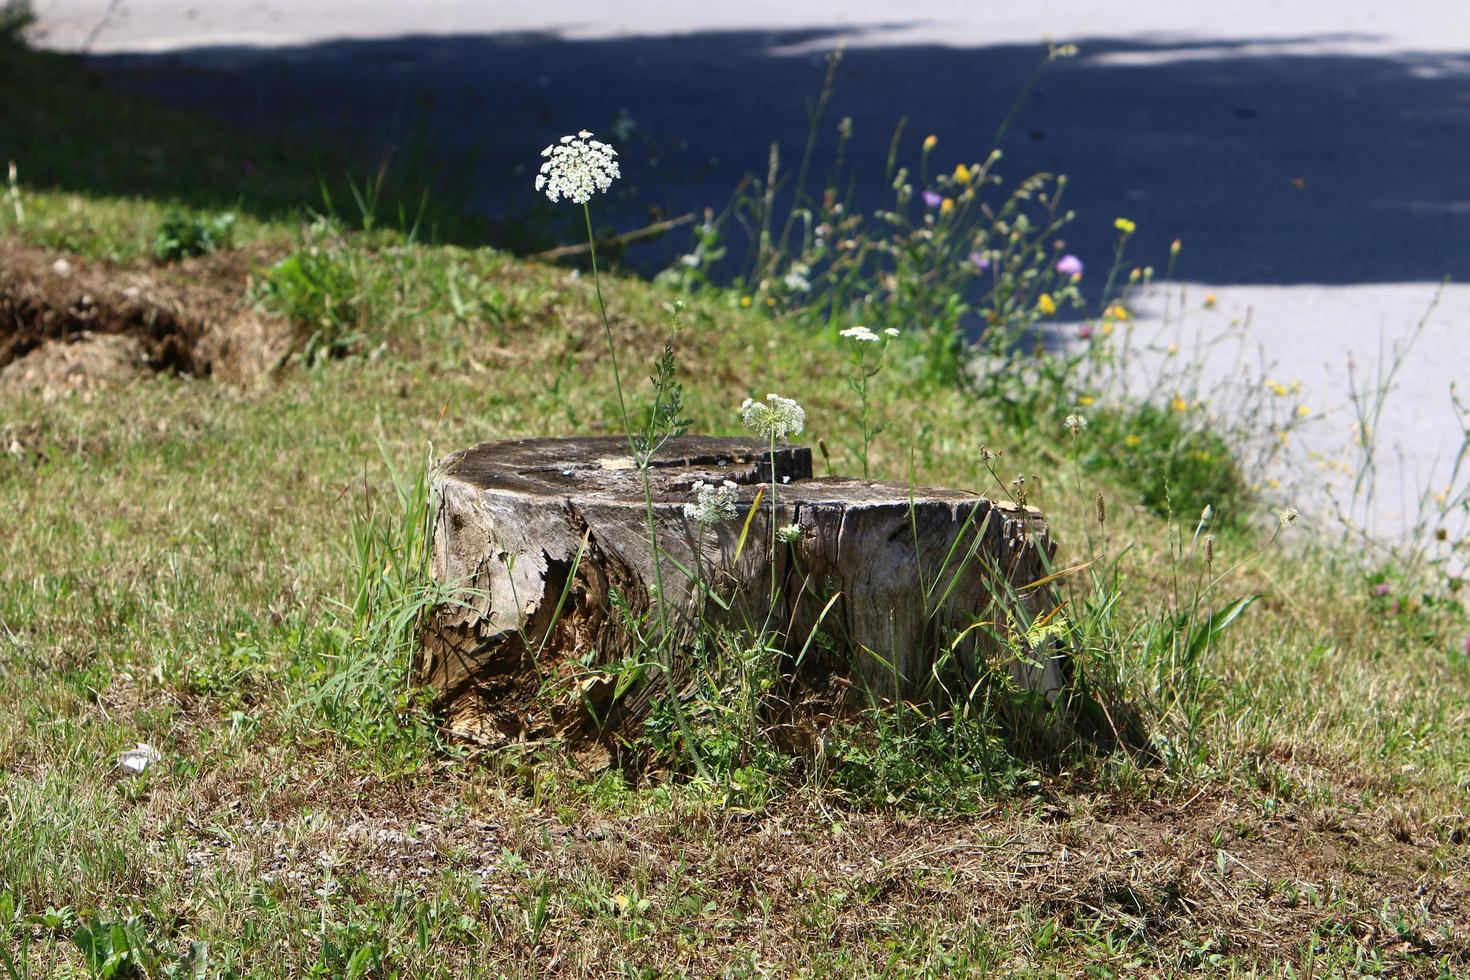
(902,592)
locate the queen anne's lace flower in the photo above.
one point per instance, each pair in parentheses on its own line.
(712,505)
(774,418)
(576,168)
(861,334)
(789,534)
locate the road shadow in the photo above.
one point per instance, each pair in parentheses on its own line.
(1272,165)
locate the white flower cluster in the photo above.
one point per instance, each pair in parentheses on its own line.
(577,168)
(1288,516)
(790,534)
(774,418)
(864,335)
(712,505)
(1076,423)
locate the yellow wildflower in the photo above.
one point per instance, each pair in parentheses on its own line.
(1046,304)
(962,173)
(744,301)
(1203,455)
(1117,312)
(1175,246)
(1276,388)
(1274,484)
(1303,411)
(1085,400)
(930,142)
(946,205)
(1179,404)
(1125,226)
(1210,300)
(1172,349)
(1107,328)
(1132,440)
(1283,437)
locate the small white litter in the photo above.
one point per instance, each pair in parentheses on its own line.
(138,758)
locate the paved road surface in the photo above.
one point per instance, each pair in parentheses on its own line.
(1314,157)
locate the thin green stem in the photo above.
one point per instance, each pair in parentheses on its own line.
(607,328)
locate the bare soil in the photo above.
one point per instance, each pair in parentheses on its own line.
(69,324)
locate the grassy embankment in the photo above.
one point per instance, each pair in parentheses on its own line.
(176,568)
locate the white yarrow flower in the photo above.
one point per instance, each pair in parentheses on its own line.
(789,534)
(1288,517)
(891,331)
(774,418)
(577,168)
(712,505)
(861,334)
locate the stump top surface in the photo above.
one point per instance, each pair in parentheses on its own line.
(600,466)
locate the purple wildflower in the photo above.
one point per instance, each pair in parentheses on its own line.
(932,200)
(1069,265)
(1382,589)
(1085,331)
(979,261)
(1467,646)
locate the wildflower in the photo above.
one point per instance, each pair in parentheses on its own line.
(796,280)
(1172,349)
(1210,300)
(712,505)
(1107,328)
(1303,411)
(890,331)
(1076,424)
(930,142)
(946,206)
(744,301)
(1069,265)
(932,200)
(1175,246)
(789,534)
(861,334)
(1117,311)
(1046,304)
(1135,275)
(962,173)
(577,168)
(774,418)
(979,261)
(1132,441)
(1179,404)
(1085,331)
(1085,400)
(1382,589)
(1125,226)
(1288,516)
(1467,646)
(1276,388)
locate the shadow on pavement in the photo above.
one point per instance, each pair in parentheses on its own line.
(1274,168)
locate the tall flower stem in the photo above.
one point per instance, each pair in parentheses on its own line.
(643,460)
(607,330)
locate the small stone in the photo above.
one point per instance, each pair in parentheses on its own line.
(137,759)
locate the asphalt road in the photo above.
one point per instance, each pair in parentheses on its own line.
(1313,157)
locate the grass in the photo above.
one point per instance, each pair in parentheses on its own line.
(197,566)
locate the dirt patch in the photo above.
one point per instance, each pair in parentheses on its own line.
(68,324)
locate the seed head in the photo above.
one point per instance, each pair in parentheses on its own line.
(1102,508)
(1288,516)
(1076,424)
